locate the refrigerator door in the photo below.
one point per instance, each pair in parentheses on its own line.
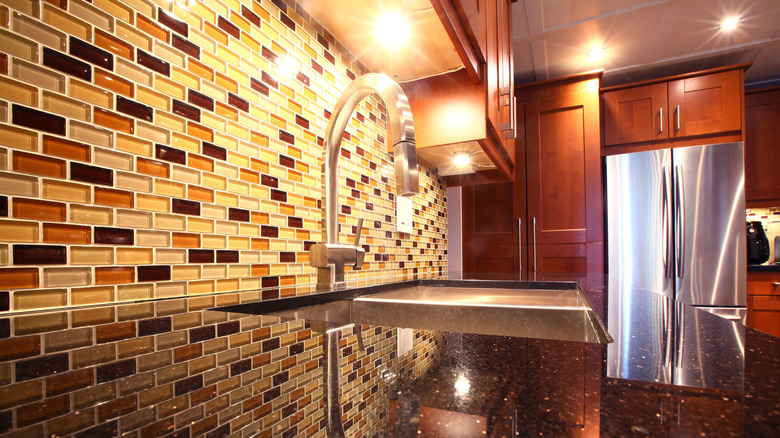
(709,233)
(639,222)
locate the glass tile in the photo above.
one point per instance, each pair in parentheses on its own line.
(134,256)
(185,240)
(38,31)
(60,277)
(151,28)
(134,219)
(116,9)
(39,120)
(134,109)
(17,45)
(200,131)
(113,45)
(153,63)
(132,72)
(169,121)
(169,87)
(186,46)
(169,54)
(186,110)
(39,165)
(40,299)
(35,75)
(91,215)
(153,98)
(114,236)
(66,64)
(67,107)
(133,182)
(89,93)
(152,133)
(169,222)
(114,83)
(91,14)
(153,238)
(133,36)
(38,210)
(153,168)
(91,134)
(19,231)
(90,255)
(133,144)
(113,197)
(100,295)
(110,158)
(92,54)
(114,121)
(169,188)
(91,174)
(152,203)
(19,278)
(62,233)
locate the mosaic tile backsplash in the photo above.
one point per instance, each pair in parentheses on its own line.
(154,150)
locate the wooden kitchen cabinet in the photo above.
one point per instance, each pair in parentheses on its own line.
(762,151)
(473,105)
(763,306)
(694,108)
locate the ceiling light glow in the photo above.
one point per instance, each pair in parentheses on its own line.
(461,159)
(729,23)
(392,30)
(596,53)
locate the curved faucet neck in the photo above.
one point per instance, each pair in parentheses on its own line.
(401,134)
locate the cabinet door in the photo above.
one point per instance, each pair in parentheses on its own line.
(705,415)
(493,69)
(490,248)
(762,153)
(635,115)
(706,104)
(564,169)
(474,17)
(764,313)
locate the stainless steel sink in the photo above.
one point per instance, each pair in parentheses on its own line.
(559,313)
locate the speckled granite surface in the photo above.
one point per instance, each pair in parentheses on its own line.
(175,368)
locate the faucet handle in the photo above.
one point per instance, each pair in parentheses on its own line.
(359,231)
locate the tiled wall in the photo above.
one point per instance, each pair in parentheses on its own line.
(149,150)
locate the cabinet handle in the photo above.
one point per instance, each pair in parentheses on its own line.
(533,224)
(776,283)
(520,248)
(660,120)
(678,117)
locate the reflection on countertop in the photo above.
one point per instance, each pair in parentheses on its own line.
(176,368)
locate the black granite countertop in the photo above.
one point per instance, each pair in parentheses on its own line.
(179,368)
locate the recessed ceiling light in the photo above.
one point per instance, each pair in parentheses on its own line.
(596,53)
(461,159)
(729,23)
(392,30)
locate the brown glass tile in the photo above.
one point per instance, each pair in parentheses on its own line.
(40,411)
(250,16)
(3,63)
(201,334)
(168,153)
(238,102)
(3,206)
(149,27)
(19,348)
(114,83)
(67,64)
(186,110)
(186,46)
(154,326)
(116,370)
(152,168)
(113,44)
(172,22)
(238,214)
(38,210)
(287,21)
(152,62)
(60,147)
(114,236)
(110,429)
(287,257)
(270,181)
(162,428)
(39,255)
(268,79)
(294,222)
(199,99)
(113,197)
(68,382)
(135,109)
(259,87)
(187,352)
(269,54)
(278,195)
(302,122)
(185,240)
(285,160)
(350,75)
(115,332)
(38,120)
(88,52)
(269,231)
(41,366)
(230,28)
(39,165)
(113,121)
(200,256)
(154,273)
(227,256)
(329,57)
(116,408)
(19,278)
(214,151)
(5,304)
(183,206)
(91,174)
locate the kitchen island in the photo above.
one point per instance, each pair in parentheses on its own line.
(178,368)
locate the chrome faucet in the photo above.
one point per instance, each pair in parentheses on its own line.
(330,257)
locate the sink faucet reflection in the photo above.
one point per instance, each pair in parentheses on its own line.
(331,257)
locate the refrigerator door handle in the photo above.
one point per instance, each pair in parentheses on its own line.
(520,248)
(533,227)
(666,224)
(680,210)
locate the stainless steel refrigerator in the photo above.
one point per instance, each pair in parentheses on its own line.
(676,225)
(675,221)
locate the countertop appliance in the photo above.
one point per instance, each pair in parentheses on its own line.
(675,226)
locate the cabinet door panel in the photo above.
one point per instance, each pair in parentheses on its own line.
(635,115)
(564,258)
(763,283)
(695,416)
(490,249)
(706,104)
(762,113)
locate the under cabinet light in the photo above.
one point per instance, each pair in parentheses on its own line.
(392,30)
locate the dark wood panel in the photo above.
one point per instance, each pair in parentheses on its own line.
(490,249)
(707,104)
(635,114)
(762,150)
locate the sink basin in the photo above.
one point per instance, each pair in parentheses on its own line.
(559,312)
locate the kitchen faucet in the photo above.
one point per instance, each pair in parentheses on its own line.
(331,257)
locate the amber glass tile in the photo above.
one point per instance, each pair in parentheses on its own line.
(18,92)
(114,236)
(114,121)
(113,44)
(38,210)
(186,240)
(39,254)
(61,233)
(113,197)
(227,83)
(202,163)
(153,63)
(66,64)
(135,109)
(200,131)
(200,193)
(91,174)
(92,54)
(186,110)
(185,46)
(38,165)
(19,278)
(215,33)
(151,28)
(17,231)
(38,120)
(114,83)
(153,168)
(114,275)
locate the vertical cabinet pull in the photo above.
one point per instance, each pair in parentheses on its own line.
(533,226)
(520,248)
(660,120)
(678,117)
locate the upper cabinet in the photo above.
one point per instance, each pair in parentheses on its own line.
(473,107)
(660,113)
(762,153)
